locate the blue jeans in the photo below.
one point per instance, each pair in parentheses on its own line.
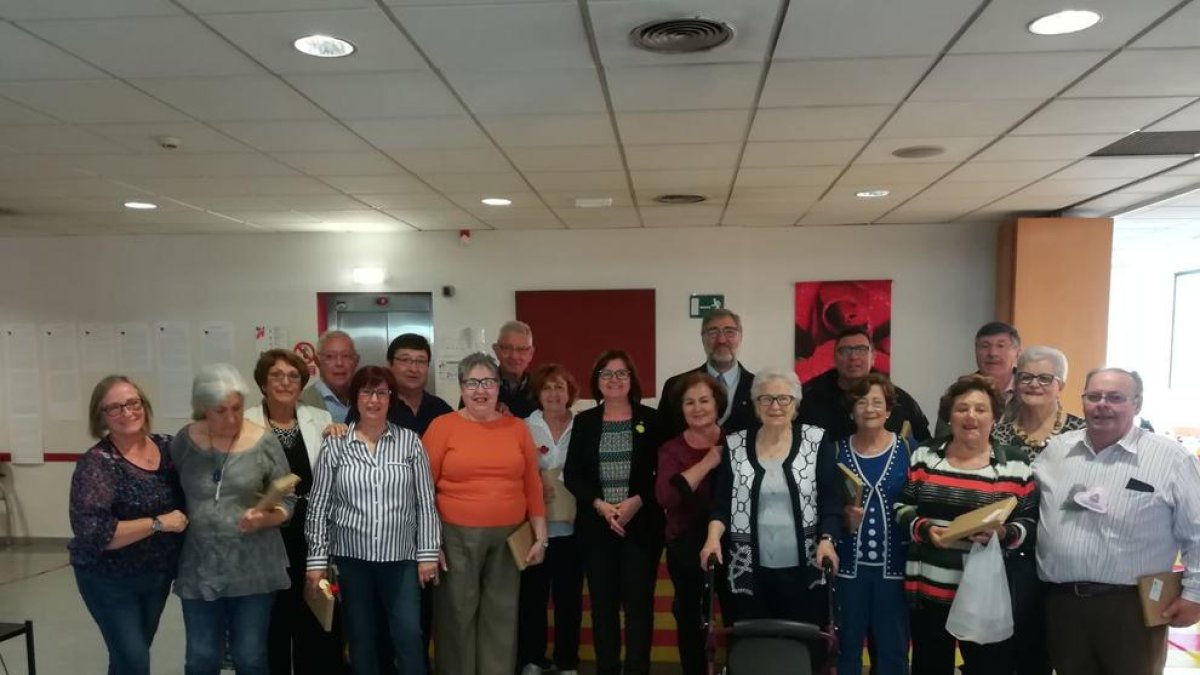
(245,618)
(872,605)
(127,612)
(393,585)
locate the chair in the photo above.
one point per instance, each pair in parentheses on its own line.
(9,631)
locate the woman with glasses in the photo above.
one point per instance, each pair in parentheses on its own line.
(371,513)
(771,524)
(126,515)
(233,557)
(610,469)
(296,643)
(485,474)
(1035,416)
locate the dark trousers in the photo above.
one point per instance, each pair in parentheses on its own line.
(933,647)
(245,619)
(560,576)
(784,594)
(1029,614)
(296,642)
(875,606)
(1102,634)
(365,583)
(127,612)
(621,574)
(683,562)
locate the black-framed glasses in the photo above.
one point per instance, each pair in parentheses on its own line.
(621,374)
(484,383)
(407,361)
(368,394)
(727,332)
(1044,379)
(1111,397)
(277,376)
(858,350)
(782,400)
(133,405)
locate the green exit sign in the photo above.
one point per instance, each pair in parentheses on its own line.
(701,305)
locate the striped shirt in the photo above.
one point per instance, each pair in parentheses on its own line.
(937,493)
(372,506)
(1150,486)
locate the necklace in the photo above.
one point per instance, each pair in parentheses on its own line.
(1024,438)
(218,475)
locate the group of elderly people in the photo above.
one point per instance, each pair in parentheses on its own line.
(722,471)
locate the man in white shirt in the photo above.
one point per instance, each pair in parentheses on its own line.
(1117,503)
(337,361)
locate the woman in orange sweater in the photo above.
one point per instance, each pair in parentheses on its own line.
(485,474)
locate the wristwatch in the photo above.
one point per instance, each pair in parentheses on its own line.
(545,543)
(155,525)
(827,537)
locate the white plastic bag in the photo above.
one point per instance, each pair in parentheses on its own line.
(982,608)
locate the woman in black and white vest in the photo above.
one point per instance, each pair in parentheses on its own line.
(770,524)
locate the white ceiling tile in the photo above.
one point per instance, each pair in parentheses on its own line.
(196,138)
(233,186)
(484,182)
(736,217)
(1002,26)
(707,86)
(445,219)
(1176,73)
(280,202)
(85,101)
(1177,31)
(1004,171)
(816,29)
(1162,185)
(879,151)
(843,195)
(472,201)
(956,118)
(753,21)
(566,200)
(918,215)
(13,113)
(686,156)
(161,46)
(893,172)
(408,202)
(386,184)
(842,82)
(228,99)
(548,130)
(73,188)
(340,163)
(696,126)
(295,136)
(578,181)
(59,139)
(1098,115)
(792,176)
(1014,148)
(355,216)
(606,218)
(1073,187)
(818,124)
(775,198)
(582,158)
(1118,167)
(451,160)
(1007,76)
(377,95)
(222,6)
(271,218)
(542,92)
(15,10)
(530,36)
(371,227)
(682,181)
(60,166)
(448,131)
(810,153)
(1192,168)
(268,38)
(691,215)
(161,165)
(533,220)
(1187,119)
(969,196)
(25,57)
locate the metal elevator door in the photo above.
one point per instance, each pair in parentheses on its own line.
(375,319)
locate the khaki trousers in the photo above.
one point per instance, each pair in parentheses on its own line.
(1102,634)
(475,603)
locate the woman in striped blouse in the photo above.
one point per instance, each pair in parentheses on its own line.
(372,509)
(947,479)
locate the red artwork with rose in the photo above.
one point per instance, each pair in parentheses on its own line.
(825,308)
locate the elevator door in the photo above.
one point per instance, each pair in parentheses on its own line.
(375,319)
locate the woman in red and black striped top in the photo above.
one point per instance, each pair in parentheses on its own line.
(948,478)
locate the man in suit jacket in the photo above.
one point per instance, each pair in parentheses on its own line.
(337,361)
(721,334)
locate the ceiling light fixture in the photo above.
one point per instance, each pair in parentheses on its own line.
(1064,22)
(593,202)
(368,276)
(871,194)
(323,46)
(140,206)
(496,201)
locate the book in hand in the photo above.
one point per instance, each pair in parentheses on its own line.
(852,486)
(519,543)
(562,506)
(1156,591)
(279,488)
(981,519)
(321,603)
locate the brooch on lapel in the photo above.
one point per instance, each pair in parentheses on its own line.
(544,450)
(639,427)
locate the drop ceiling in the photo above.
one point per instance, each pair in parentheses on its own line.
(446,102)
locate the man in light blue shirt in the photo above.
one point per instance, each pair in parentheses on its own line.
(337,361)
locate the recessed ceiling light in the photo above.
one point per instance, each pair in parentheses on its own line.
(871,194)
(141,206)
(1064,22)
(323,46)
(496,201)
(593,202)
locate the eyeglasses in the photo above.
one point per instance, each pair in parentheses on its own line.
(728,332)
(481,383)
(368,394)
(1044,379)
(857,350)
(873,403)
(510,349)
(339,356)
(278,377)
(621,375)
(782,400)
(1111,397)
(407,361)
(133,405)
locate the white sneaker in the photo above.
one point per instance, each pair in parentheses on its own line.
(531,669)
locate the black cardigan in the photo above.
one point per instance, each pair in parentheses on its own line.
(582,476)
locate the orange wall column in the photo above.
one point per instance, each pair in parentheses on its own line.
(1052,283)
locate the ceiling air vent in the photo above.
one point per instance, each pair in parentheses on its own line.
(681,36)
(680,199)
(1153,143)
(6,212)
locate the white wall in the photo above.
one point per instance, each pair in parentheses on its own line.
(943,290)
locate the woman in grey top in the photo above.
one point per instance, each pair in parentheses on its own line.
(233,557)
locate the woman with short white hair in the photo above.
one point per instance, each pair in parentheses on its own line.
(233,558)
(1037,414)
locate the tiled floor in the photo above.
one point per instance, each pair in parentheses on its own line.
(36,583)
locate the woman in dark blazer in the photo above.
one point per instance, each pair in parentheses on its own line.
(619,524)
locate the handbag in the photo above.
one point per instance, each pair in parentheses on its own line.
(982,607)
